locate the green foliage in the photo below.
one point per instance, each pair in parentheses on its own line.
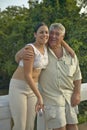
(82,118)
(17,28)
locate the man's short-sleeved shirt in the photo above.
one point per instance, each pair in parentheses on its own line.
(56,81)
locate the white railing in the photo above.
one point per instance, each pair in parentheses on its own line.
(5,115)
(84,91)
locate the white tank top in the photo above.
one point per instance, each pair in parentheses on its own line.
(40,61)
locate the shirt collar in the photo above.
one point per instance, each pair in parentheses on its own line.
(64,53)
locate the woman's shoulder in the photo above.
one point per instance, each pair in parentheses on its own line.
(29,47)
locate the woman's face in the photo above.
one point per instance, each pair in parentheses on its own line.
(55,37)
(42,35)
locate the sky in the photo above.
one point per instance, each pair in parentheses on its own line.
(6,3)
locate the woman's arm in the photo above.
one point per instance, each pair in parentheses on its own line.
(68,48)
(28,71)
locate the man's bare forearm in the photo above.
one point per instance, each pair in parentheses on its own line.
(19,55)
(77,87)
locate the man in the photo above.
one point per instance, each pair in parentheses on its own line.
(60,83)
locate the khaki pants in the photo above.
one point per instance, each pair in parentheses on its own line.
(22,103)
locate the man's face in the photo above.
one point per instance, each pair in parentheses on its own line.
(55,37)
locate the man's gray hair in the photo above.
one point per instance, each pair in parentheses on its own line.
(58,26)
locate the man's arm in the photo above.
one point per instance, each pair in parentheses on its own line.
(77,79)
(19,55)
(24,53)
(68,48)
(76,96)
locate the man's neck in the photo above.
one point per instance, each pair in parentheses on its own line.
(58,51)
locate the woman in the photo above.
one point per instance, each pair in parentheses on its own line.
(23,90)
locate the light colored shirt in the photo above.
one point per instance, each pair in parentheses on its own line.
(41,60)
(56,81)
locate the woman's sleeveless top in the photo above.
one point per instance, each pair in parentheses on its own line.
(41,60)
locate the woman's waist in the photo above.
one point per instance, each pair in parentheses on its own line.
(20,85)
(19,74)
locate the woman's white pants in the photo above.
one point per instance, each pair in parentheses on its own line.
(22,103)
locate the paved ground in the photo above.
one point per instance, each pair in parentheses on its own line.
(83,126)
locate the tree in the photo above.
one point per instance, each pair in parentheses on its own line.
(32,3)
(12,27)
(17,27)
(83,7)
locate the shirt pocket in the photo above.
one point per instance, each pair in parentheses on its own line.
(70,69)
(50,113)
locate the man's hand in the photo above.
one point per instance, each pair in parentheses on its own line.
(75,99)
(27,54)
